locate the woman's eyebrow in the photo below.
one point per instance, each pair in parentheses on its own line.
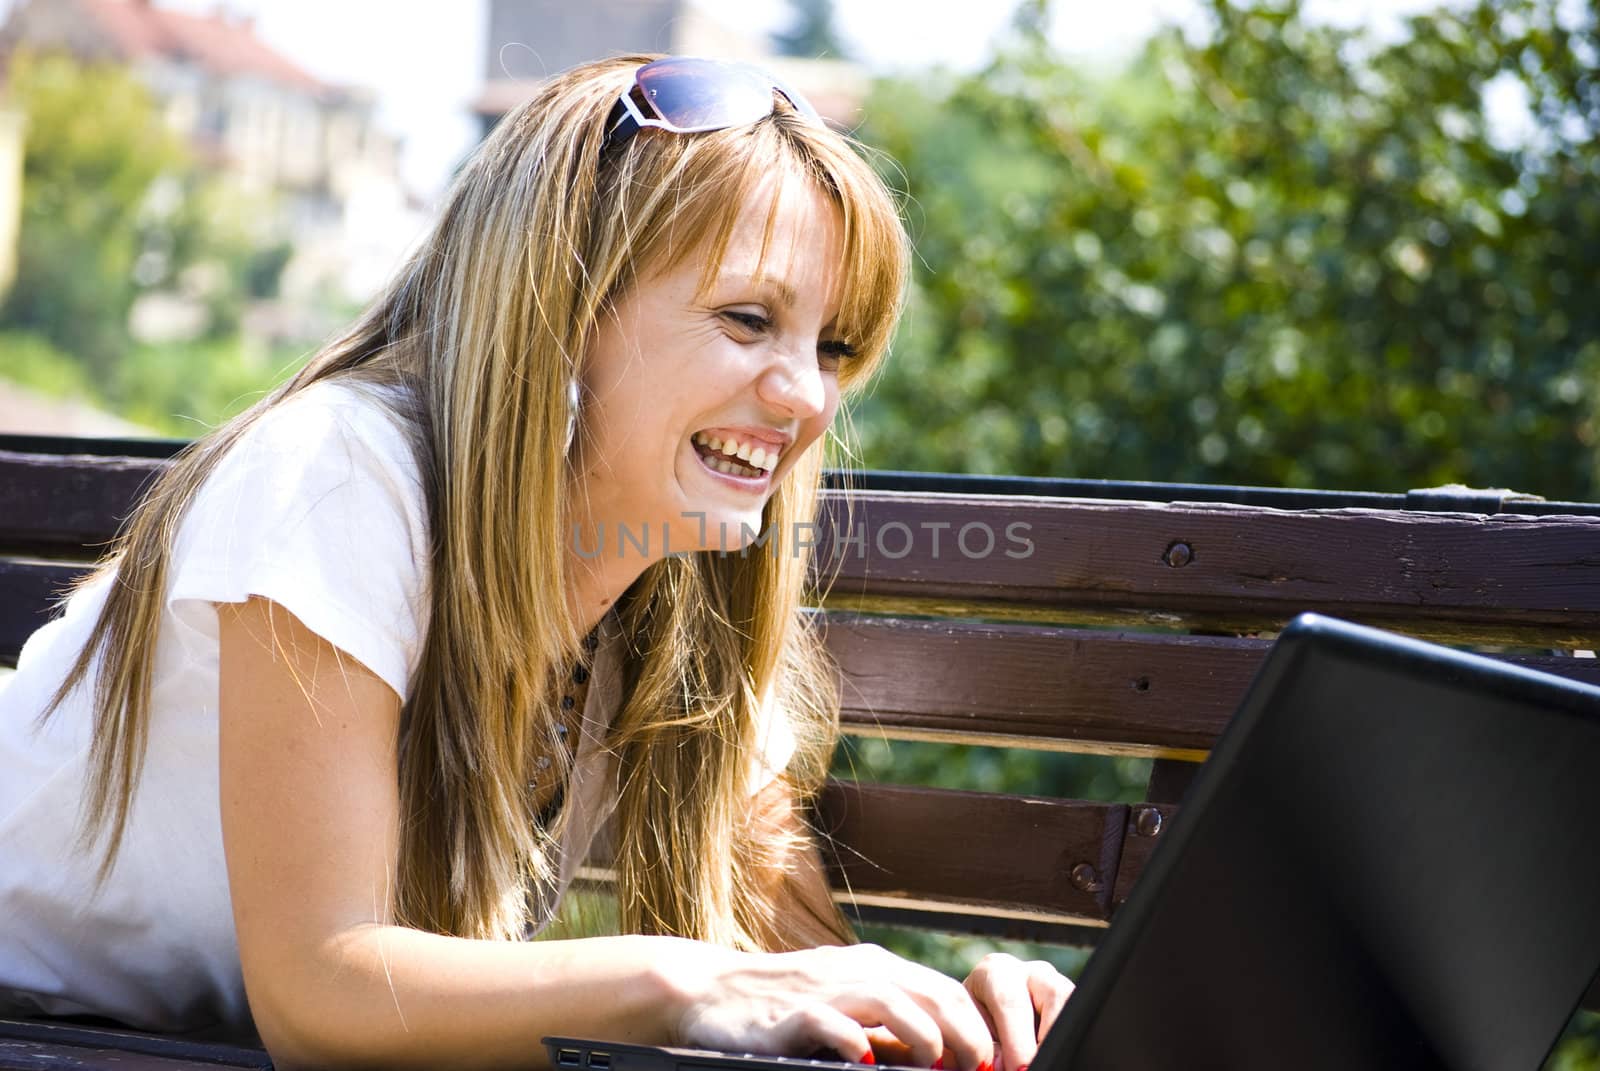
(785,293)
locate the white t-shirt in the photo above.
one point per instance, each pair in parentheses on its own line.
(319,508)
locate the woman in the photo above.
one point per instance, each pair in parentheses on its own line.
(326,704)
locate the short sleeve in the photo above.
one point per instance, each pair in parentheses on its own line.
(319,508)
(775,744)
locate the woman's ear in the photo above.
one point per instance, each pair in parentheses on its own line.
(572,413)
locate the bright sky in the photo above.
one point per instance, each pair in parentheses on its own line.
(424,57)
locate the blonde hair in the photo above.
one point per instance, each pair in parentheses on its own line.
(485,325)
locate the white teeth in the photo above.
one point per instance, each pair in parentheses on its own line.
(761,457)
(728,467)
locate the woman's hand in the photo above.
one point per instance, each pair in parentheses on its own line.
(841,999)
(1020,1001)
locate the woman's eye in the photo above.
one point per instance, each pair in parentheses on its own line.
(750,321)
(830,352)
(833,351)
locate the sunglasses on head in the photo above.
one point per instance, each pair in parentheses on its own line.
(687,95)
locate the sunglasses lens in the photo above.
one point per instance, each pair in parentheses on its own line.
(697,94)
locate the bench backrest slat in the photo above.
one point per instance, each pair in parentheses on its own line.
(1057,688)
(976,848)
(68,501)
(1184,560)
(29,592)
(1192,562)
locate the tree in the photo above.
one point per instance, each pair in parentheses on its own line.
(95,147)
(811,32)
(1284,254)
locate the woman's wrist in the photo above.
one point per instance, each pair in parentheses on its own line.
(683,975)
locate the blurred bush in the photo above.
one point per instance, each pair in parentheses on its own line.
(31,360)
(1286,254)
(95,148)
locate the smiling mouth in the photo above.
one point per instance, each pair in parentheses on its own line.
(749,461)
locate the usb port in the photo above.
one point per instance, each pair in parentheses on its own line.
(569,1058)
(600,1061)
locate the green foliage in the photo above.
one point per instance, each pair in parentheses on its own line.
(219,257)
(957,955)
(178,390)
(185,389)
(987,769)
(95,147)
(31,361)
(1579,1047)
(1288,255)
(261,271)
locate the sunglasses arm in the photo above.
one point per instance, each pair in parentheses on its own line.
(625,121)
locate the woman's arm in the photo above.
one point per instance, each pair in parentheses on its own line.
(310,822)
(310,817)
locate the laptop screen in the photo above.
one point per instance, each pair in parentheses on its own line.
(1390,861)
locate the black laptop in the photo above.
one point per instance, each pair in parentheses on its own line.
(1390,860)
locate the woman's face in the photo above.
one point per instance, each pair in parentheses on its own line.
(697,404)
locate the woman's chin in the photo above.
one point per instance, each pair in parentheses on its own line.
(730,531)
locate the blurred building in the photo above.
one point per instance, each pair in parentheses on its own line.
(310,150)
(529,40)
(12,127)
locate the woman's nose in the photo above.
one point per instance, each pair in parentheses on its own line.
(793,386)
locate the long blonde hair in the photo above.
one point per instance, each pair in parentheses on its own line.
(484,326)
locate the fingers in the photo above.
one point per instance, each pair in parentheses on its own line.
(855,1001)
(988,1022)
(822,1026)
(900,1025)
(887,1048)
(933,1020)
(967,1040)
(999,983)
(1021,1001)
(890,1006)
(1049,989)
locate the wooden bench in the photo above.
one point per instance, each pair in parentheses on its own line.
(1106,618)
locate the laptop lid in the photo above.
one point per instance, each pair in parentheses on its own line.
(1390,860)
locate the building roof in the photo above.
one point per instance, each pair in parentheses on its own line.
(224,46)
